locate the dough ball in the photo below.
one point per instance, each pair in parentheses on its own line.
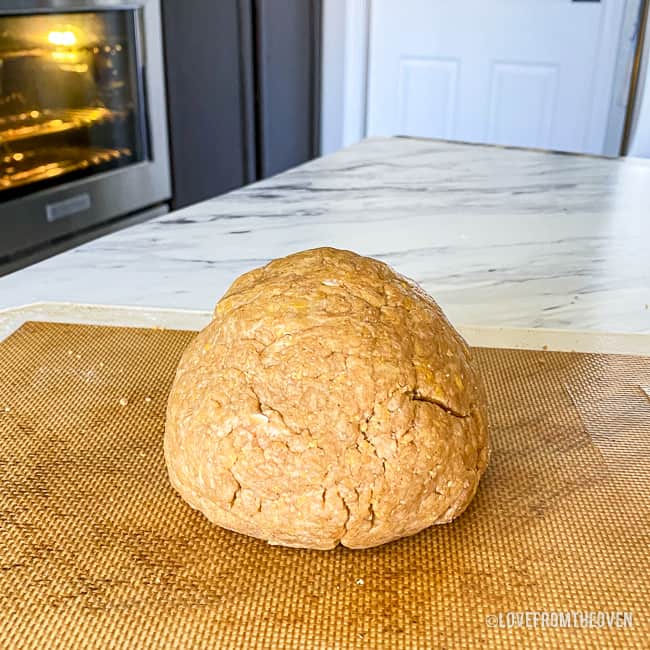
(329,401)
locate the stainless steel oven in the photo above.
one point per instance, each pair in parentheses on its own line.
(83,129)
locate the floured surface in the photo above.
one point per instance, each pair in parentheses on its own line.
(96,548)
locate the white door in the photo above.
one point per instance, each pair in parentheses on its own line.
(533,73)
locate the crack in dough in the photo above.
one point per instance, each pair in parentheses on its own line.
(417,397)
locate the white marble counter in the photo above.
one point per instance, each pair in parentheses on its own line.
(499,237)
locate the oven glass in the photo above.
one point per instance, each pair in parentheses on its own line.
(71,98)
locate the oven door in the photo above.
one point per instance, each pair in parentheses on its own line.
(83,131)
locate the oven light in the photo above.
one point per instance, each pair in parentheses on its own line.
(66,38)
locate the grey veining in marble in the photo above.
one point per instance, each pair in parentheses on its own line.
(498,236)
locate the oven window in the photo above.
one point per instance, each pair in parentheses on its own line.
(71,98)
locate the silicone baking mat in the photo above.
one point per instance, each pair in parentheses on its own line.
(96,549)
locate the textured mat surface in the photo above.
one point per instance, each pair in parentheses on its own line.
(97,550)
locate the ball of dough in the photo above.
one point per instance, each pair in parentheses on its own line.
(329,401)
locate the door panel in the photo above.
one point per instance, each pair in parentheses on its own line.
(427,96)
(533,73)
(522,98)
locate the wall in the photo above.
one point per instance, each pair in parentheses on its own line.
(333,56)
(343,73)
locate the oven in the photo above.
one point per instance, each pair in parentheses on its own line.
(83,128)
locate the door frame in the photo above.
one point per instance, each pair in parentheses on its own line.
(345,67)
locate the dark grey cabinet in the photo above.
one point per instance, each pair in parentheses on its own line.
(288,62)
(243,79)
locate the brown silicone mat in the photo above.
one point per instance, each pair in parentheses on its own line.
(97,550)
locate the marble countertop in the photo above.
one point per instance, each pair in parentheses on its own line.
(500,237)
